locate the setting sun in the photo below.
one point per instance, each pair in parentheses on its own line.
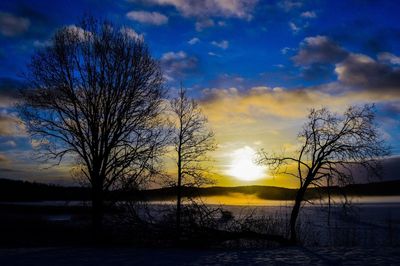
(243,165)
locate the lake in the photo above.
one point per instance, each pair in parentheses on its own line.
(367,221)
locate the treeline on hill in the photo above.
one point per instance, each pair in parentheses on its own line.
(12,190)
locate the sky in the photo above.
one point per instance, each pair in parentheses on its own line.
(256,67)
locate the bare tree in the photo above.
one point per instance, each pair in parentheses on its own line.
(333,147)
(96,95)
(192,140)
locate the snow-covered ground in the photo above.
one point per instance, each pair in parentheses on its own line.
(126,256)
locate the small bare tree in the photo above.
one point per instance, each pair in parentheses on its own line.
(333,147)
(192,140)
(96,94)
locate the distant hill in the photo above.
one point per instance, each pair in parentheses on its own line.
(11,190)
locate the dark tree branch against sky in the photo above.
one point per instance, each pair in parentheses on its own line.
(95,93)
(255,67)
(192,140)
(332,148)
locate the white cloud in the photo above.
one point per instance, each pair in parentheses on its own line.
(218,8)
(295,29)
(222,44)
(79,32)
(178,64)
(153,18)
(213,54)
(10,143)
(11,25)
(221,23)
(174,55)
(193,41)
(288,5)
(389,58)
(203,24)
(308,14)
(131,33)
(10,125)
(285,50)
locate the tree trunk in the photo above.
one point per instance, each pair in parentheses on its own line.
(178,201)
(179,185)
(97,210)
(295,212)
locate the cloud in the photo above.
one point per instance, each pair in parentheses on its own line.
(224,44)
(173,55)
(11,25)
(81,34)
(255,104)
(193,41)
(308,14)
(213,54)
(221,23)
(258,103)
(178,64)
(131,33)
(153,18)
(3,158)
(318,56)
(391,107)
(10,125)
(295,29)
(390,58)
(203,24)
(42,44)
(241,9)
(10,143)
(363,72)
(225,80)
(288,5)
(285,50)
(319,49)
(354,71)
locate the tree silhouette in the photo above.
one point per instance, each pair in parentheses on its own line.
(192,140)
(333,147)
(96,94)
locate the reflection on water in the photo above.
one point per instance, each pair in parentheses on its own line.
(252,200)
(241,199)
(237,199)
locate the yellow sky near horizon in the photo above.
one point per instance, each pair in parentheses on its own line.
(244,123)
(266,118)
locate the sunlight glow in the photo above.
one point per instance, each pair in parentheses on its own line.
(243,165)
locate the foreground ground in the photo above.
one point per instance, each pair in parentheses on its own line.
(128,256)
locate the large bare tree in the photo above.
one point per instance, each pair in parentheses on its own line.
(333,147)
(192,140)
(96,95)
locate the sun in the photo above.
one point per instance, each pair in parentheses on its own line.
(243,167)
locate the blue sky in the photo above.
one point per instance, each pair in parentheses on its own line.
(334,52)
